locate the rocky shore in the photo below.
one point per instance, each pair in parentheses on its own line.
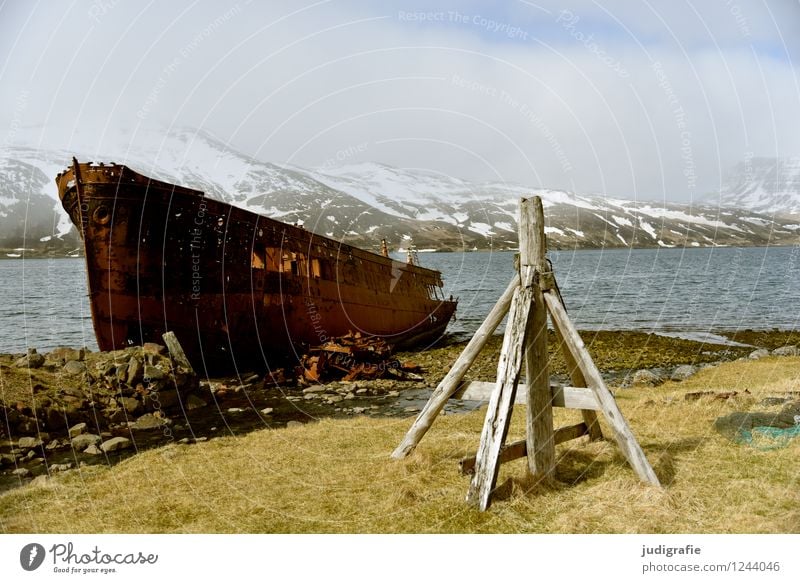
(69,407)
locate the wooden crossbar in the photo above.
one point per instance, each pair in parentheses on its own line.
(566,397)
(517,449)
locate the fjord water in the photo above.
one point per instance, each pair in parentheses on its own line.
(686,291)
(690,291)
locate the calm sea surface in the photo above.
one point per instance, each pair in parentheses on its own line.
(685,291)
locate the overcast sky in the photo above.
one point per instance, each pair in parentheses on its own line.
(637,99)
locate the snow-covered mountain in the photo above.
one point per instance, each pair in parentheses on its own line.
(765,185)
(360,203)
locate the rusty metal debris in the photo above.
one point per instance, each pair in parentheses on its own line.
(354,357)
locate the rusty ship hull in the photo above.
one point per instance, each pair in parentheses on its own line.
(239,289)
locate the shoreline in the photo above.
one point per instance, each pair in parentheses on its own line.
(7,254)
(115,412)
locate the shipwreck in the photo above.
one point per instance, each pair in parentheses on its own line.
(239,289)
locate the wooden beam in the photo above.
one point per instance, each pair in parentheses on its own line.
(518,449)
(575,374)
(498,414)
(539,412)
(176,351)
(622,432)
(567,397)
(451,381)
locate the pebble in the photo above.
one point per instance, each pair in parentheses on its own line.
(92,450)
(235,410)
(22,472)
(291,424)
(267,411)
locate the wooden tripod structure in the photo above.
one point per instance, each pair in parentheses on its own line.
(531,295)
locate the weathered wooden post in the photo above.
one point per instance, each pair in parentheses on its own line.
(539,415)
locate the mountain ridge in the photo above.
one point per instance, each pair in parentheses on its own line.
(364,202)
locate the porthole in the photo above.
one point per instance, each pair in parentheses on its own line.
(102,215)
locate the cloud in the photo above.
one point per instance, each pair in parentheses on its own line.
(632,99)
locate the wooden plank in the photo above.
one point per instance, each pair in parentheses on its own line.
(518,449)
(567,397)
(539,412)
(176,351)
(498,414)
(451,381)
(622,432)
(575,374)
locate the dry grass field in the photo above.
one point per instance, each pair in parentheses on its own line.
(336,476)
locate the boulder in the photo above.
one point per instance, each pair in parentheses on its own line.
(73,392)
(29,442)
(647,378)
(314,389)
(74,367)
(786,351)
(194,402)
(130,404)
(60,467)
(135,371)
(21,472)
(149,421)
(683,372)
(32,360)
(84,440)
(40,480)
(760,353)
(153,348)
(163,399)
(92,450)
(78,429)
(116,444)
(153,373)
(67,354)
